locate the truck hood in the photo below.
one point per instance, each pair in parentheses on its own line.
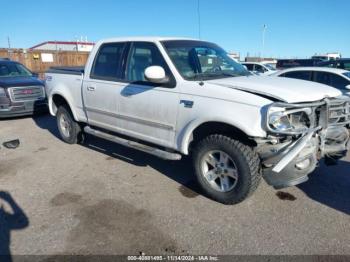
(19,81)
(279,88)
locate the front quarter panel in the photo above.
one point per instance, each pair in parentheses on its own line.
(213,103)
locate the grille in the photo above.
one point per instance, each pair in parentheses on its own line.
(26,93)
(339,112)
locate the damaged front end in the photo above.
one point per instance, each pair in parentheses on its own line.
(299,136)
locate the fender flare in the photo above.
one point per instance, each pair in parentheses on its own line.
(185,135)
(51,108)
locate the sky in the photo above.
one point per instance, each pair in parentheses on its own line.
(295,28)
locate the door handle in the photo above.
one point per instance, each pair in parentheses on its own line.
(90,88)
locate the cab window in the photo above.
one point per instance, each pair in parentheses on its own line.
(107,65)
(141,56)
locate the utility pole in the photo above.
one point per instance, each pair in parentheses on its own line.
(9,47)
(263,40)
(8,42)
(199,19)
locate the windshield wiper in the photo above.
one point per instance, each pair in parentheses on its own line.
(204,75)
(230,74)
(210,75)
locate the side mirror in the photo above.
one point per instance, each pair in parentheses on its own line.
(156,74)
(35,75)
(348,87)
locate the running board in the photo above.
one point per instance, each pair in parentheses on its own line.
(132,144)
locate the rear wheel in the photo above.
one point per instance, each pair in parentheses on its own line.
(69,129)
(227,170)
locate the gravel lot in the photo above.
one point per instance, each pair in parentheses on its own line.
(101,198)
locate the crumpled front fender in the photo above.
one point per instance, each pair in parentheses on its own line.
(290,163)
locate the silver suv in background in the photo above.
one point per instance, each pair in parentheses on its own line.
(337,78)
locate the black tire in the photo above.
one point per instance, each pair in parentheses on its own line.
(75,132)
(247,165)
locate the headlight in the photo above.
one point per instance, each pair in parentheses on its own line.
(280,121)
(288,120)
(2,92)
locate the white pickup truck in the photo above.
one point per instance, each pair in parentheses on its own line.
(171,97)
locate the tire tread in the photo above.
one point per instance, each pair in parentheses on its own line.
(250,155)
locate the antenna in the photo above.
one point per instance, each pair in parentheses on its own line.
(199,18)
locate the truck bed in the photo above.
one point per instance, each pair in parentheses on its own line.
(76,70)
(68,81)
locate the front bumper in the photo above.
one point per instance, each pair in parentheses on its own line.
(290,163)
(23,108)
(289,156)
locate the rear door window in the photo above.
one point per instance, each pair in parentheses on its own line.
(331,80)
(338,81)
(302,75)
(323,78)
(108,62)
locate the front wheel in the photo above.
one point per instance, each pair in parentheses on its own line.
(68,128)
(227,170)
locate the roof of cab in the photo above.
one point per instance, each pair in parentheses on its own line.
(144,39)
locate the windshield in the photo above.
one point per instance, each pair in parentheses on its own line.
(197,60)
(347,74)
(13,69)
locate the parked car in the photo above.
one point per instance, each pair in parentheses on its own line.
(21,92)
(259,68)
(334,77)
(290,63)
(327,57)
(171,97)
(343,63)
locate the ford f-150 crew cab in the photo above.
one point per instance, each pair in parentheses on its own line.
(171,97)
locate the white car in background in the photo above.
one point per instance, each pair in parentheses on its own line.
(260,68)
(338,78)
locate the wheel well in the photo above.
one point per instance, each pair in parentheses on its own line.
(211,128)
(57,101)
